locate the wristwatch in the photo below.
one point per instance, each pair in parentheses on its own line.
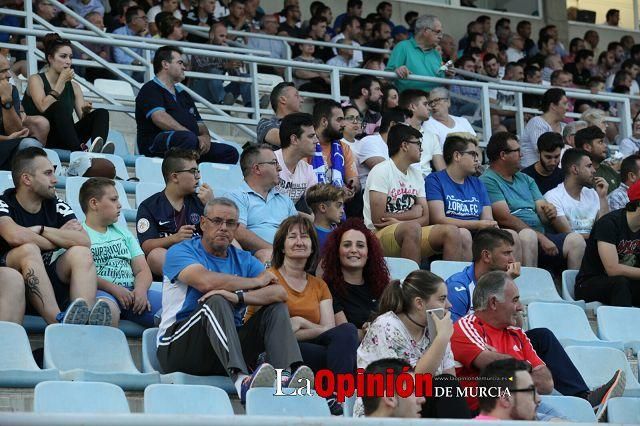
(240,294)
(7,105)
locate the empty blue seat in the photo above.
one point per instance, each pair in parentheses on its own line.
(263,402)
(17,366)
(624,410)
(399,267)
(150,364)
(568,322)
(620,324)
(221,177)
(573,408)
(536,284)
(6,181)
(149,169)
(93,354)
(118,162)
(79,397)
(186,399)
(146,190)
(445,268)
(122,149)
(568,290)
(597,365)
(55,160)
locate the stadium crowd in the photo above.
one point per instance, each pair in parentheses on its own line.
(287,270)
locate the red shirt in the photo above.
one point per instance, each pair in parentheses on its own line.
(471,336)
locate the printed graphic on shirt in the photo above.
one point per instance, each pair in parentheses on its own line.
(292,189)
(627,250)
(113,262)
(401,199)
(462,207)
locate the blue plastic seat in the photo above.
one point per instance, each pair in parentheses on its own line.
(399,267)
(146,190)
(118,162)
(445,268)
(263,402)
(122,149)
(568,323)
(73,185)
(624,410)
(17,366)
(536,285)
(568,290)
(620,324)
(79,397)
(597,365)
(6,181)
(149,169)
(186,399)
(573,408)
(36,324)
(150,364)
(55,160)
(93,354)
(221,177)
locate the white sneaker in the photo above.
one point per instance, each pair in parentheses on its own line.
(97,145)
(109,148)
(100,314)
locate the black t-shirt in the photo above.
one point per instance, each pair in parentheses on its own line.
(158,219)
(580,78)
(54,213)
(358,305)
(611,228)
(544,183)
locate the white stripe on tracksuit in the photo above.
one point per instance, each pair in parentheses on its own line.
(184,328)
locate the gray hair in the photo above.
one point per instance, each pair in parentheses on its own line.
(572,128)
(593,116)
(220,201)
(489,285)
(425,21)
(439,92)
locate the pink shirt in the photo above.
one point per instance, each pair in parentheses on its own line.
(485,417)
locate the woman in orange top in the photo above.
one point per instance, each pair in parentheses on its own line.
(322,343)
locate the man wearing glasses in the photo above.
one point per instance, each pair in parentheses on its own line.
(207,285)
(137,25)
(441,123)
(172,215)
(261,206)
(418,55)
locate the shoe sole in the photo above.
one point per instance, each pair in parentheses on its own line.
(108,148)
(301,377)
(77,313)
(616,390)
(97,145)
(264,378)
(100,314)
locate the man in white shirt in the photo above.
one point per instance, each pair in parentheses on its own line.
(350,31)
(372,150)
(395,205)
(582,198)
(298,140)
(345,57)
(441,123)
(417,101)
(516,46)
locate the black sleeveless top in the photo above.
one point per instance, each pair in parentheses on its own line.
(67,97)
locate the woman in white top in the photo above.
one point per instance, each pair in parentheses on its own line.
(352,125)
(401,331)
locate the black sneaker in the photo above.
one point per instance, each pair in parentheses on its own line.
(613,388)
(335,407)
(262,377)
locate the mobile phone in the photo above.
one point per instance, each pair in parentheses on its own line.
(431,326)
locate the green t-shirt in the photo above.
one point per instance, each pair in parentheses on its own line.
(520,195)
(610,175)
(419,62)
(113,252)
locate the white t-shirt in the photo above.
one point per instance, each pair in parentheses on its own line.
(295,184)
(581,214)
(357,54)
(430,147)
(369,147)
(154,10)
(461,124)
(403,190)
(634,90)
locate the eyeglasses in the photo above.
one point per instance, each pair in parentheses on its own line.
(418,142)
(436,100)
(193,171)
(272,162)
(439,32)
(352,118)
(143,17)
(218,222)
(509,151)
(531,389)
(474,154)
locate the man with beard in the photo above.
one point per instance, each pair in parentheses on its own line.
(545,171)
(333,161)
(34,226)
(366,96)
(591,140)
(582,198)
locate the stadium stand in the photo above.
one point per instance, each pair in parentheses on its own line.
(262,402)
(186,400)
(79,397)
(399,267)
(577,409)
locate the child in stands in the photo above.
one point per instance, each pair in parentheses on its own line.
(327,204)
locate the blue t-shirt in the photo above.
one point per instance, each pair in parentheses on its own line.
(460,288)
(179,300)
(461,201)
(158,219)
(520,195)
(323,233)
(154,96)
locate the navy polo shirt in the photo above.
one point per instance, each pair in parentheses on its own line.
(158,219)
(154,96)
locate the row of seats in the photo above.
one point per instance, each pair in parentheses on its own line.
(94,397)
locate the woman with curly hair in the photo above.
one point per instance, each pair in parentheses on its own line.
(361,276)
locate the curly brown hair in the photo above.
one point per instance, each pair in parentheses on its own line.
(375,273)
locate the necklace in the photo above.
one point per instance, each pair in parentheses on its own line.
(415,322)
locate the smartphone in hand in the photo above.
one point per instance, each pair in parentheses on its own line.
(431,326)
